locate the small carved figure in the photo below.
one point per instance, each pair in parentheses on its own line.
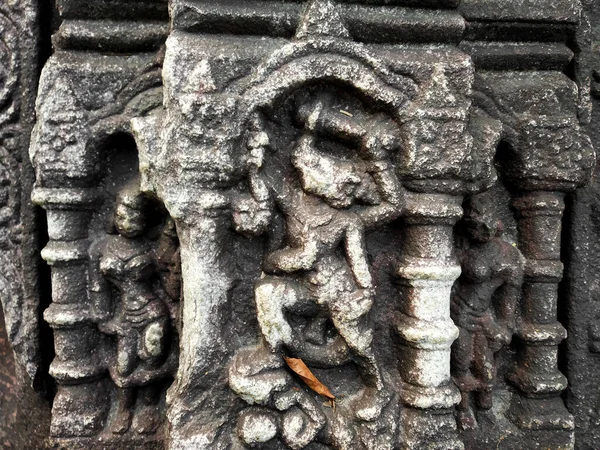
(125,264)
(330,202)
(484,302)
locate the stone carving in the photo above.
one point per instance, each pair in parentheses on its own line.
(20,295)
(8,66)
(26,384)
(9,190)
(141,319)
(484,306)
(539,209)
(327,198)
(389,192)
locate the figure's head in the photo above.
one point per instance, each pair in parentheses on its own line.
(481,219)
(169,228)
(129,218)
(329,178)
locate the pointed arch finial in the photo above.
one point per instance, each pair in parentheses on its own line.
(322,18)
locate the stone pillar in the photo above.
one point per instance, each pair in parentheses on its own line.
(206,285)
(427,272)
(536,375)
(80,405)
(547,155)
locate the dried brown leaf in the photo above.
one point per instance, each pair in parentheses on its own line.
(298,366)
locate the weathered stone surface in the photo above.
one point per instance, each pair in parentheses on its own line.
(298,224)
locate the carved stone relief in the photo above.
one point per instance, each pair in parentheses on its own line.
(484,306)
(307,224)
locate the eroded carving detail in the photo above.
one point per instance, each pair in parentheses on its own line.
(313,159)
(127,266)
(328,195)
(20,298)
(484,306)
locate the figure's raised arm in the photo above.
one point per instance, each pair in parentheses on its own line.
(252,212)
(390,192)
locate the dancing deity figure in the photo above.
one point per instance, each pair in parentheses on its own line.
(327,202)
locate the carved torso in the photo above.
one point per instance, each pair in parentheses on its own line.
(486,267)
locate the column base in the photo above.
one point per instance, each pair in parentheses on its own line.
(426,397)
(79,410)
(548,383)
(541,414)
(429,430)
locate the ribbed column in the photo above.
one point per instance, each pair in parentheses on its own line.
(427,272)
(540,383)
(80,405)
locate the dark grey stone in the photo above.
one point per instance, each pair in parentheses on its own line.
(345,224)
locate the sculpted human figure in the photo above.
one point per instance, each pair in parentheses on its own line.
(483,306)
(329,202)
(124,264)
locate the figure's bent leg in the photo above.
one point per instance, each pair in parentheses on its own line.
(356,253)
(352,325)
(462,358)
(256,373)
(485,370)
(274,296)
(349,315)
(292,259)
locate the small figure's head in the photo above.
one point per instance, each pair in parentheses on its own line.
(169,228)
(481,220)
(331,179)
(129,218)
